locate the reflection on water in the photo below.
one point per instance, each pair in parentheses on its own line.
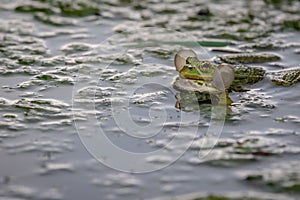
(52,50)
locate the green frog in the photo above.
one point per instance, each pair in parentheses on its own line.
(208,81)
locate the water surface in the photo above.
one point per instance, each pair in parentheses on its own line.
(54,55)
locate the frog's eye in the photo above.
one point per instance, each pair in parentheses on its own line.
(205,67)
(181,56)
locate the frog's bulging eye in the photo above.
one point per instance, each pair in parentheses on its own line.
(205,67)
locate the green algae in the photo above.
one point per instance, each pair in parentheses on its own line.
(286,77)
(35,8)
(54,20)
(295,24)
(232,153)
(250,58)
(228,196)
(208,43)
(76,8)
(221,197)
(283,177)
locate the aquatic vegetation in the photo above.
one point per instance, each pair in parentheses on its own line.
(249,58)
(281,177)
(76,8)
(60,58)
(35,7)
(228,196)
(230,152)
(54,20)
(286,78)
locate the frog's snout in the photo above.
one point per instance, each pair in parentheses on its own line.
(223,77)
(181,56)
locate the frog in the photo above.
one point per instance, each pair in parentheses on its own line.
(211,83)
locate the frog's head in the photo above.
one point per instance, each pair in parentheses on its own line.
(197,70)
(190,67)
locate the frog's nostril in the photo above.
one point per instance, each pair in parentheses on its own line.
(223,77)
(181,56)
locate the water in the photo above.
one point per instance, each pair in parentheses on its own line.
(85,67)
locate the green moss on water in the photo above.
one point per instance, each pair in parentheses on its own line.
(66,81)
(10,116)
(283,177)
(214,43)
(273,1)
(46,77)
(279,2)
(286,77)
(126,1)
(53,19)
(230,36)
(220,197)
(78,9)
(161,52)
(26,61)
(295,24)
(254,178)
(212,198)
(250,58)
(34,8)
(202,43)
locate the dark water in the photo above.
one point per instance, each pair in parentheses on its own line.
(71,70)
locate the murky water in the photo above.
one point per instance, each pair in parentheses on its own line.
(69,67)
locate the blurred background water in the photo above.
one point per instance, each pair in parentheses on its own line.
(51,50)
